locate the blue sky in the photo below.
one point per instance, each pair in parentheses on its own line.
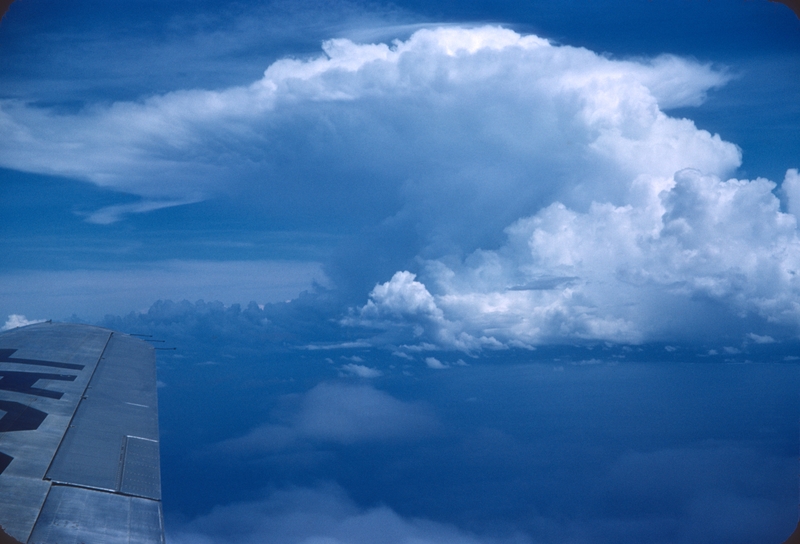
(418,228)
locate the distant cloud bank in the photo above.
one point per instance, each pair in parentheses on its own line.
(15,320)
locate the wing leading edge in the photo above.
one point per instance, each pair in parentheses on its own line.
(79,451)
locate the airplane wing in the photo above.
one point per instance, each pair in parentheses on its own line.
(79,456)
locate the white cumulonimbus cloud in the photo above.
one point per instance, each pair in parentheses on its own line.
(544,188)
(701,249)
(485,116)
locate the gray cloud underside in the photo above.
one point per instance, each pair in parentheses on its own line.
(680,495)
(317,516)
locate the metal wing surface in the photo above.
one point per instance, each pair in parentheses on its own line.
(79,451)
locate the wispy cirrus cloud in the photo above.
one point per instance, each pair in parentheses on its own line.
(112,214)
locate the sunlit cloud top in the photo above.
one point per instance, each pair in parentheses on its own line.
(523,192)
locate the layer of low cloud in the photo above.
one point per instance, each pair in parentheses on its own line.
(683,495)
(341,414)
(361,371)
(486,454)
(323,515)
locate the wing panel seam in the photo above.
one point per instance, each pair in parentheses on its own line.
(54,483)
(80,401)
(39,514)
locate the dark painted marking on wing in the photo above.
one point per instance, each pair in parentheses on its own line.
(19,417)
(5,357)
(22,382)
(5,460)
